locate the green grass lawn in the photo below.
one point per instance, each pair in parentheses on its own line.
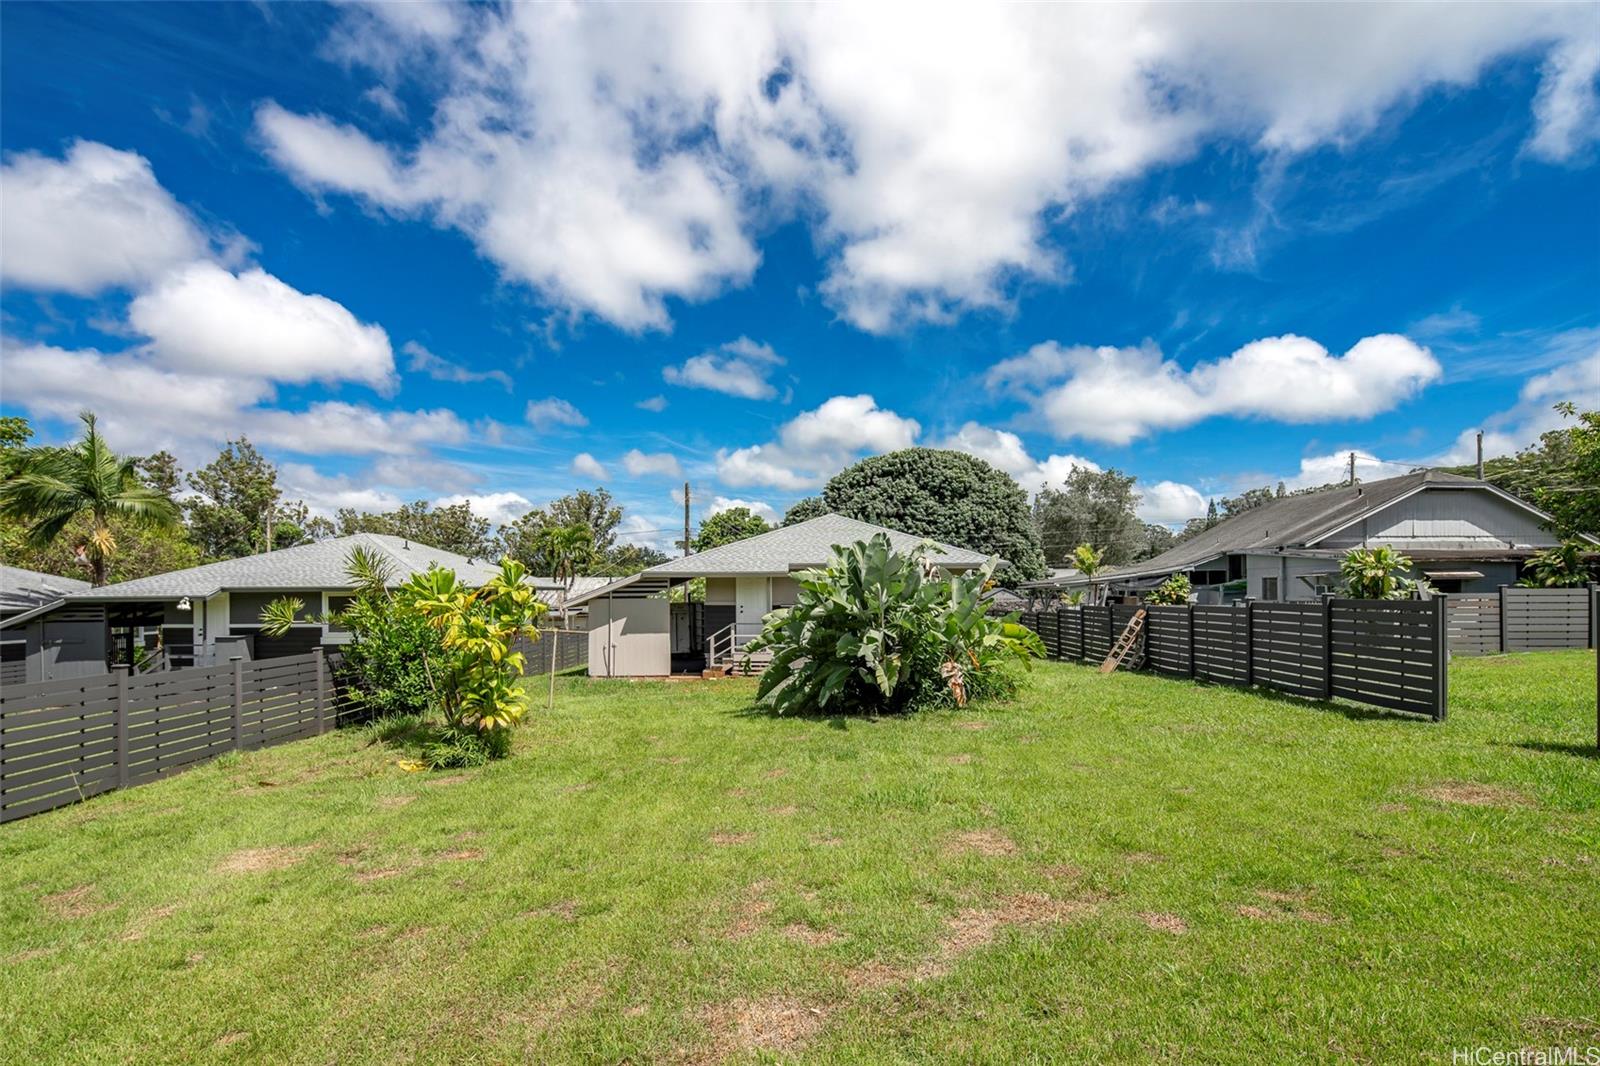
(1122,868)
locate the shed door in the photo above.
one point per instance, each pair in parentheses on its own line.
(753,600)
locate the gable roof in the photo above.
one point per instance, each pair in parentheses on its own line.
(22,590)
(1302,521)
(778,552)
(308,566)
(804,544)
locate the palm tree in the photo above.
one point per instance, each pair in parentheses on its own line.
(569,550)
(49,487)
(1087,560)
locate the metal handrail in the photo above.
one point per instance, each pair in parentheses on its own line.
(725,643)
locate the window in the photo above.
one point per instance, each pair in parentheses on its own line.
(1269,588)
(14,662)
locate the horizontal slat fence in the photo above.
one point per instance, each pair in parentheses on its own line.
(571,651)
(1474,621)
(63,741)
(1386,653)
(1542,619)
(1520,619)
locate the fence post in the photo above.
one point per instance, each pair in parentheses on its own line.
(1327,646)
(322,691)
(1190,618)
(1504,647)
(238,703)
(1249,639)
(121,670)
(1083,634)
(1441,658)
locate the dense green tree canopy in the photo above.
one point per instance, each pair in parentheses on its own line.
(237,499)
(725,527)
(1097,507)
(946,495)
(453,528)
(525,539)
(805,510)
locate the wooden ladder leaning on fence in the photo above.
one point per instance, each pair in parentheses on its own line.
(1125,643)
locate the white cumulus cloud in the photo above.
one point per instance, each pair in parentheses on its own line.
(586,465)
(1120,394)
(553,411)
(94,219)
(764,511)
(616,158)
(500,508)
(645,464)
(205,318)
(816,444)
(739,368)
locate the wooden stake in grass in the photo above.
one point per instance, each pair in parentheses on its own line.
(555,646)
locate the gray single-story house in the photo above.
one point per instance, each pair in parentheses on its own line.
(24,592)
(1462,534)
(213,612)
(637,630)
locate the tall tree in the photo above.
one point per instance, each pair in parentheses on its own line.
(47,488)
(162,473)
(946,495)
(452,528)
(725,527)
(237,500)
(569,551)
(1091,507)
(805,510)
(1560,474)
(521,540)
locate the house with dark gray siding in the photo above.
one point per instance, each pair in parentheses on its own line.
(25,592)
(212,612)
(1461,534)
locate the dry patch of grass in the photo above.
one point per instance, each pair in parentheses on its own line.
(390,803)
(990,842)
(139,928)
(1284,906)
(776,1025)
(1473,794)
(261,860)
(751,909)
(1164,923)
(959,760)
(81,901)
(802,933)
(784,811)
(728,840)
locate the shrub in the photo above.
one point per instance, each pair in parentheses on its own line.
(1556,568)
(476,678)
(1174,590)
(876,630)
(1377,574)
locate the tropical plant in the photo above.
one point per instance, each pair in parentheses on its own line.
(1377,574)
(385,665)
(877,630)
(1087,561)
(1174,591)
(1559,567)
(476,676)
(569,550)
(47,488)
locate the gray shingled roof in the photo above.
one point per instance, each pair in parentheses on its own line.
(803,544)
(787,548)
(22,590)
(1293,521)
(310,566)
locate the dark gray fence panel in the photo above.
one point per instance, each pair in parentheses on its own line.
(1221,644)
(1390,653)
(1544,619)
(1166,643)
(1097,634)
(1050,633)
(62,741)
(1071,632)
(1474,623)
(1288,647)
(57,743)
(571,651)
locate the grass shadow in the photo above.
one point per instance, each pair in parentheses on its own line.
(1558,747)
(408,734)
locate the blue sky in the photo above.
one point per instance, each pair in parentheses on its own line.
(418,251)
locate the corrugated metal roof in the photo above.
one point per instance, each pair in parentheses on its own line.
(22,590)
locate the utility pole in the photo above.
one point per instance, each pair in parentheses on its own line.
(267,519)
(686,519)
(1480,455)
(1352,468)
